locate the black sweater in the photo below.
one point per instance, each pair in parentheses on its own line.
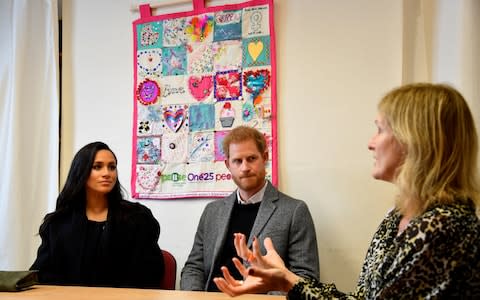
(241,221)
(128,251)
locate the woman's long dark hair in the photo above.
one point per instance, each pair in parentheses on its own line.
(73,195)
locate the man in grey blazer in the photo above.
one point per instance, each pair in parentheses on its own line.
(256,209)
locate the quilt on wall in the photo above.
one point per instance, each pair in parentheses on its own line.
(197,75)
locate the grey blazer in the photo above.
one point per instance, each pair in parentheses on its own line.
(285,220)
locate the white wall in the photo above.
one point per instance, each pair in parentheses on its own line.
(335,60)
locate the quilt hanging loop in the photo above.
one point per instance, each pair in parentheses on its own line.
(198,5)
(145,10)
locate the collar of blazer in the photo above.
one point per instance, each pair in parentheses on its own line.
(267,208)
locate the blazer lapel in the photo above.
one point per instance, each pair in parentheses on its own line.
(267,207)
(223,219)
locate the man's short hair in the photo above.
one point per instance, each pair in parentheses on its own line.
(241,134)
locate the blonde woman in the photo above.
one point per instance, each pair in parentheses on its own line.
(428,246)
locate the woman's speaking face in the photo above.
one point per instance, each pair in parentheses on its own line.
(388,153)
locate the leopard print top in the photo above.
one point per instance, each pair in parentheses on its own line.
(436,257)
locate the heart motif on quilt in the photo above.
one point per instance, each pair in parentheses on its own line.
(200,86)
(256,82)
(255,49)
(148,35)
(150,61)
(174,118)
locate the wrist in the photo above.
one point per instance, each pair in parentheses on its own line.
(290,280)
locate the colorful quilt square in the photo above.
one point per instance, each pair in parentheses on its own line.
(149,63)
(256,51)
(148,150)
(265,109)
(256,82)
(202,117)
(174,148)
(259,115)
(228,115)
(149,178)
(201,146)
(199,58)
(228,55)
(148,92)
(174,61)
(255,21)
(219,136)
(175,118)
(149,121)
(201,87)
(200,28)
(174,32)
(173,90)
(228,25)
(149,35)
(227,85)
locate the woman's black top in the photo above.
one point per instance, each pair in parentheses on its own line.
(121,252)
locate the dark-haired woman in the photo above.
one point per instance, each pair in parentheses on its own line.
(95,237)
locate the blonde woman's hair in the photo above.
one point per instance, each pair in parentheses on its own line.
(436,128)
